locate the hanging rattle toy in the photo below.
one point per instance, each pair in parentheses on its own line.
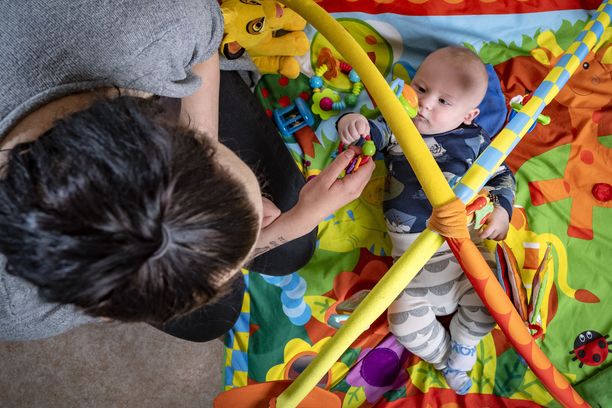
(368,149)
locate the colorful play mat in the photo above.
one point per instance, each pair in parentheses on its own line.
(561,229)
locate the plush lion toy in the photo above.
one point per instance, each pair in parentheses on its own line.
(252,25)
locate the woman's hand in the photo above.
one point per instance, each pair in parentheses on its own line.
(497,225)
(319,198)
(351,127)
(325,193)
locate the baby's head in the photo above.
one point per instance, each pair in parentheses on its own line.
(450,84)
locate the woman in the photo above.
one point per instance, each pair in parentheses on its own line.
(117,203)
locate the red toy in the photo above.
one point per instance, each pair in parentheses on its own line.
(368,149)
(591,348)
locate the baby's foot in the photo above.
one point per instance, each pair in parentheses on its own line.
(461,357)
(457,380)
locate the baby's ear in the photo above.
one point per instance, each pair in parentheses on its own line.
(470,116)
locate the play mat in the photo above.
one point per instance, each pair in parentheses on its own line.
(561,227)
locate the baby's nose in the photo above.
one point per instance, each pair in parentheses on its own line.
(424,103)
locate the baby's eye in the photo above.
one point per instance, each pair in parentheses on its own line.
(443,101)
(420,89)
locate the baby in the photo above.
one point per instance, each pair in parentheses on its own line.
(450,84)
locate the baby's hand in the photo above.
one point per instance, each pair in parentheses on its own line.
(497,225)
(351,127)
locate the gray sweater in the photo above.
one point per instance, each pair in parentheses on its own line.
(52,48)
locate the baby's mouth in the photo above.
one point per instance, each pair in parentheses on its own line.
(421,117)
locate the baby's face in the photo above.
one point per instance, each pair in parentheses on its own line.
(445,101)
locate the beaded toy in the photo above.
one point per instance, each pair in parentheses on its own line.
(327,68)
(368,149)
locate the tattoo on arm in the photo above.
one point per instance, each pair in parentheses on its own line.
(271,245)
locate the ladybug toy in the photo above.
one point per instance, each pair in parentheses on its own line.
(591,348)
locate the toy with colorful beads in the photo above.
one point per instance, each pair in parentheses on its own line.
(368,149)
(327,68)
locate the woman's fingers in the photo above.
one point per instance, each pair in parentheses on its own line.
(353,184)
(329,175)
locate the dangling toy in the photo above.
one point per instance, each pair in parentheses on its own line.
(479,209)
(404,93)
(516,104)
(251,25)
(368,149)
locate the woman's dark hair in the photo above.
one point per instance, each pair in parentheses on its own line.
(85,209)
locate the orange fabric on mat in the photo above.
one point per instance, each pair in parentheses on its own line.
(449,220)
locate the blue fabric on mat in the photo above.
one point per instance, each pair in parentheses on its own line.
(493,110)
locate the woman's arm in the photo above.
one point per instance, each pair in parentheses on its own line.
(319,198)
(200,110)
